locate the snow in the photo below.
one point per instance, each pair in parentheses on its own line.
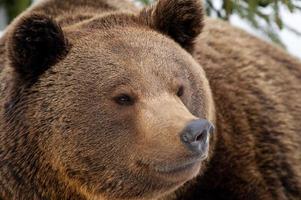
(292,41)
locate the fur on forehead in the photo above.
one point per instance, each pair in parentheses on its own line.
(180,20)
(37,41)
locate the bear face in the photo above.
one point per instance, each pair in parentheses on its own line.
(127,107)
(114,100)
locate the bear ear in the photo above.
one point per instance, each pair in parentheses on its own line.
(35,43)
(182,20)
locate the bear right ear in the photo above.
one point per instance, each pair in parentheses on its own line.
(34,44)
(182,20)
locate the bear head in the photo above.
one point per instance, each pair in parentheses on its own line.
(116,105)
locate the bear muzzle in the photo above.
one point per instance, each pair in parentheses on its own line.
(195,136)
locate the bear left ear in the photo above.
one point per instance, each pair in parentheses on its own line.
(182,20)
(34,44)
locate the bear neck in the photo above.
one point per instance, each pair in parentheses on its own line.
(25,173)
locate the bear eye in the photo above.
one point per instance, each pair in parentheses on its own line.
(180,91)
(124,100)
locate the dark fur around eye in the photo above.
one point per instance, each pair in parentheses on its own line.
(180,91)
(124,100)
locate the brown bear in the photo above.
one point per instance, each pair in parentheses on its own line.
(102,101)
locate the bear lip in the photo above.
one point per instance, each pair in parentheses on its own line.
(178,172)
(178,167)
(174,169)
(175,172)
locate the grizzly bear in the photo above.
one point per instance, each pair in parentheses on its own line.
(103,101)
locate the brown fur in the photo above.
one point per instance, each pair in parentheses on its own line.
(62,136)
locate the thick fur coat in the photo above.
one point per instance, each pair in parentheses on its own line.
(94,94)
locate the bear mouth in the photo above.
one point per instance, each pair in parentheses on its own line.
(178,172)
(170,169)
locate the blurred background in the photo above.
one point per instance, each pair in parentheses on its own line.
(276,21)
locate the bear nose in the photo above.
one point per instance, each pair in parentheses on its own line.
(196,135)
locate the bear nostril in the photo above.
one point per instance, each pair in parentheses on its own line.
(196,135)
(201,136)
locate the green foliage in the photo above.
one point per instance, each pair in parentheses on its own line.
(145,2)
(14,7)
